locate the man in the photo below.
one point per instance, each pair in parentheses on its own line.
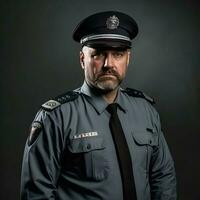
(99,141)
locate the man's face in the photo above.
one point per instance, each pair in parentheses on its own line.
(104,68)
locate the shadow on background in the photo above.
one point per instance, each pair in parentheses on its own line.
(39,60)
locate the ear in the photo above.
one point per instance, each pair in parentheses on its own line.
(128,58)
(82,60)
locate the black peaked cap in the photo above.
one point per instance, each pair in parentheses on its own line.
(106,29)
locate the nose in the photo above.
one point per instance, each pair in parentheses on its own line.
(108,62)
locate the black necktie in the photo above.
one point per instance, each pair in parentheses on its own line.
(123,154)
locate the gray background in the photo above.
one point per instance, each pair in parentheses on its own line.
(39,60)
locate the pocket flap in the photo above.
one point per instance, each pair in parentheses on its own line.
(86,144)
(145,138)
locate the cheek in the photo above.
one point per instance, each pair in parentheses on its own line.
(96,66)
(90,69)
(122,68)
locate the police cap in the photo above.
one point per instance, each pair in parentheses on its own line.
(106,29)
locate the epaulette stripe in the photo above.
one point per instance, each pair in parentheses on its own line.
(59,100)
(69,96)
(137,93)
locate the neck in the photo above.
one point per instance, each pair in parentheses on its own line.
(110,96)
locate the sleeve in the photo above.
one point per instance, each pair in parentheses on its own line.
(42,158)
(162,171)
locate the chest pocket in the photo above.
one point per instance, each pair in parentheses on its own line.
(146,142)
(88,157)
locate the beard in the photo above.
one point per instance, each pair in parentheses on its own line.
(107,81)
(107,84)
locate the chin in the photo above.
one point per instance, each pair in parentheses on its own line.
(107,86)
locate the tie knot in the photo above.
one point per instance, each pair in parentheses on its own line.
(112,108)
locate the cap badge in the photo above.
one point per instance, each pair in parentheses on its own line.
(112,22)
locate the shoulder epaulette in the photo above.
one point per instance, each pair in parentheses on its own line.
(59,100)
(137,93)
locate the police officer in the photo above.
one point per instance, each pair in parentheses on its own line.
(99,141)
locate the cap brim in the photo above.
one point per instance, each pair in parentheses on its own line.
(106,43)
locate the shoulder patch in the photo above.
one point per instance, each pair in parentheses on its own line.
(137,93)
(34,132)
(61,99)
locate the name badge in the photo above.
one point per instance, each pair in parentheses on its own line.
(84,135)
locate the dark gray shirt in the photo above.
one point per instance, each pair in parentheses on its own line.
(73,156)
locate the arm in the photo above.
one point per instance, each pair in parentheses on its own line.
(42,156)
(162,172)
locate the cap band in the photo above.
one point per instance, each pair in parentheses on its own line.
(104,36)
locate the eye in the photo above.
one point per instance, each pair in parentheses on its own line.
(98,55)
(118,54)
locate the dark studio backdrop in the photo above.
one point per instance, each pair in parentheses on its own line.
(39,60)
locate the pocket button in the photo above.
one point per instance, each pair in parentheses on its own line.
(88,146)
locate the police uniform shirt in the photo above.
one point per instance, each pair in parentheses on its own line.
(73,156)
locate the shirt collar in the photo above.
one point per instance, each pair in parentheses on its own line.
(98,102)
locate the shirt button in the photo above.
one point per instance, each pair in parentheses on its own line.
(88,146)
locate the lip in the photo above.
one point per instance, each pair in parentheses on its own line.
(109,75)
(105,77)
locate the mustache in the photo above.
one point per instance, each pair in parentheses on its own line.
(108,71)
